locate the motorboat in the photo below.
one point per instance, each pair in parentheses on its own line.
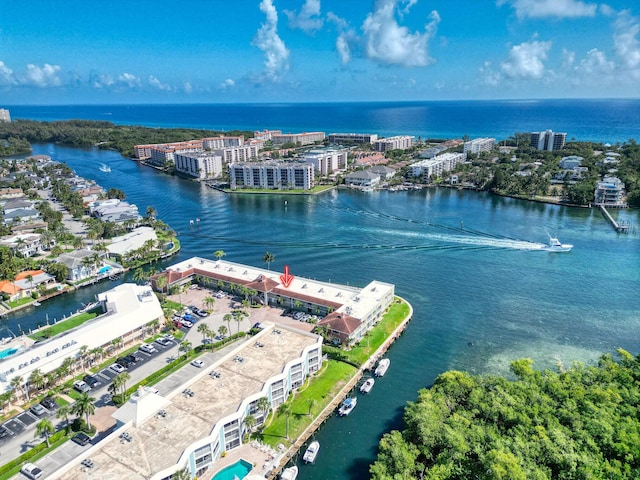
(382,367)
(105,168)
(367,385)
(290,473)
(555,246)
(347,406)
(311,452)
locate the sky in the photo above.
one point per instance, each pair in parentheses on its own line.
(281,51)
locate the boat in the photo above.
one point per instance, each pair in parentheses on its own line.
(555,246)
(382,367)
(289,473)
(347,406)
(311,452)
(367,385)
(105,168)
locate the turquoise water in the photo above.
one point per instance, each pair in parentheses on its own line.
(8,352)
(465,260)
(238,470)
(104,269)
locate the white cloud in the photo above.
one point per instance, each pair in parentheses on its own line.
(154,82)
(526,60)
(409,4)
(45,76)
(187,87)
(551,8)
(625,40)
(488,75)
(102,81)
(129,80)
(6,75)
(308,19)
(346,37)
(390,43)
(228,83)
(268,40)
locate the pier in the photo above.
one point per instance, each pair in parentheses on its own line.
(622,227)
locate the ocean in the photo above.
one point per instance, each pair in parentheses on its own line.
(607,121)
(483,295)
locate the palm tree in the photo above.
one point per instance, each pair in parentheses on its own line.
(46,428)
(249,422)
(119,384)
(222,330)
(208,302)
(151,213)
(203,329)
(264,405)
(285,409)
(227,318)
(268,258)
(139,275)
(36,379)
(238,315)
(16,383)
(185,346)
(63,412)
(312,403)
(219,254)
(161,282)
(184,474)
(83,354)
(84,406)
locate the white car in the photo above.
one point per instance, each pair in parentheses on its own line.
(186,323)
(116,367)
(197,363)
(148,348)
(32,471)
(81,386)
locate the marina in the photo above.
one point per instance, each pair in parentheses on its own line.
(382,367)
(311,452)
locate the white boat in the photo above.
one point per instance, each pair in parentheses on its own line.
(105,168)
(311,452)
(382,367)
(555,246)
(367,385)
(290,473)
(347,406)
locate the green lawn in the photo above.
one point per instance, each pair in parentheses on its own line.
(20,301)
(64,325)
(322,389)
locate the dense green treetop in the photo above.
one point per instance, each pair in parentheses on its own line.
(89,133)
(582,423)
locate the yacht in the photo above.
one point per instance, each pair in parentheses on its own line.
(290,473)
(347,406)
(311,452)
(382,367)
(367,385)
(555,246)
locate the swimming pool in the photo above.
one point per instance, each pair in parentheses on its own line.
(105,269)
(8,352)
(240,469)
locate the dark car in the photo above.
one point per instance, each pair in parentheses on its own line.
(4,432)
(49,403)
(132,358)
(125,362)
(81,439)
(92,381)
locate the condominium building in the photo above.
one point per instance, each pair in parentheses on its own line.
(240,153)
(478,145)
(400,142)
(353,137)
(215,143)
(128,309)
(201,165)
(266,135)
(435,167)
(305,138)
(5,115)
(165,153)
(327,160)
(548,140)
(276,175)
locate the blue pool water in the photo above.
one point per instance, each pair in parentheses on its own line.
(105,269)
(8,352)
(240,469)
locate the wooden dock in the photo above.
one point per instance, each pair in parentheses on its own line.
(618,227)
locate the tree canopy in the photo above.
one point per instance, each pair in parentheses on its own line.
(581,423)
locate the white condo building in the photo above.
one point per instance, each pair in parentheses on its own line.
(215,143)
(241,153)
(327,161)
(400,142)
(5,115)
(305,138)
(432,168)
(277,175)
(548,140)
(201,165)
(479,145)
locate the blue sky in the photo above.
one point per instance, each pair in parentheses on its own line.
(215,51)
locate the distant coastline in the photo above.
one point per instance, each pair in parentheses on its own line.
(597,120)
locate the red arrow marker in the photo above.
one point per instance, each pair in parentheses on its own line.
(287,278)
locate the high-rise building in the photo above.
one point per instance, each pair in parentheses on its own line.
(548,140)
(479,145)
(5,116)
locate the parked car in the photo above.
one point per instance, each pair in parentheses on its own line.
(187,323)
(132,358)
(125,362)
(202,313)
(116,367)
(81,386)
(178,324)
(189,318)
(4,432)
(168,336)
(92,381)
(48,403)
(197,363)
(38,410)
(163,341)
(147,348)
(32,471)
(81,439)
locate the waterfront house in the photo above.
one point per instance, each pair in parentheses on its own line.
(362,179)
(79,264)
(610,193)
(26,244)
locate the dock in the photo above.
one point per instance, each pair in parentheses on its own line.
(618,227)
